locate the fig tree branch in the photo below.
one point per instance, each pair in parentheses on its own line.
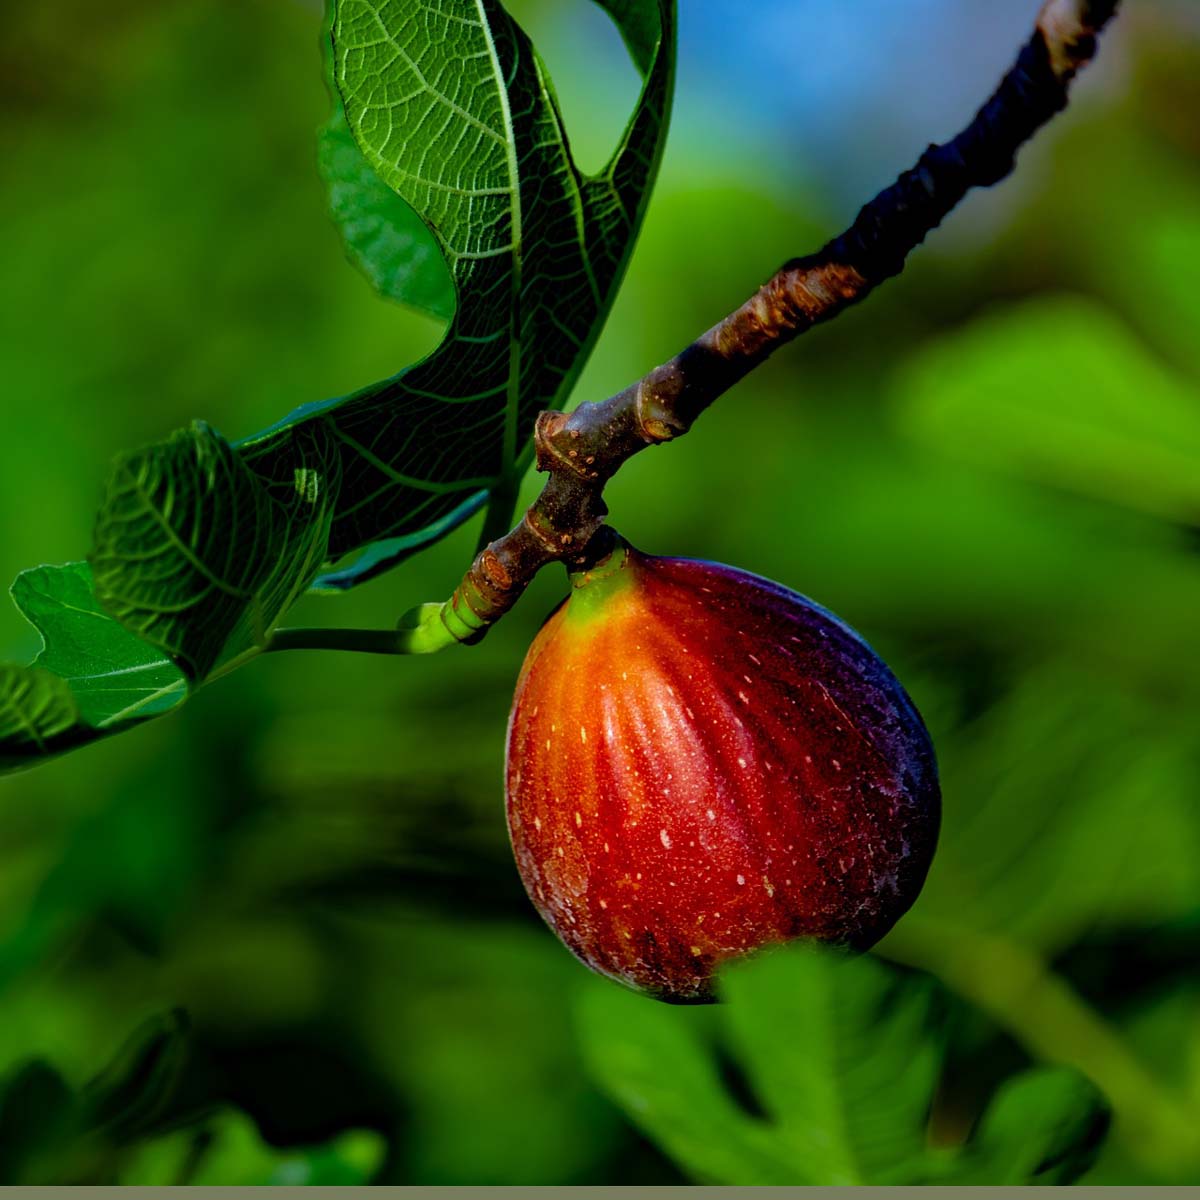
(581,451)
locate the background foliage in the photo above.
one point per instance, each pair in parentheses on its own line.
(279,936)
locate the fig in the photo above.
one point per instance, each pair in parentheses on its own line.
(701,763)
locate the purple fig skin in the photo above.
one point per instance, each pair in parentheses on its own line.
(701,763)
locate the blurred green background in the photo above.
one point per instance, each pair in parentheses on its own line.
(992,470)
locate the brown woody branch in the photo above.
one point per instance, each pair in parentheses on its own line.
(583,450)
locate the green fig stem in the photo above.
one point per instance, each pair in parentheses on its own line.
(606,568)
(422,630)
(595,586)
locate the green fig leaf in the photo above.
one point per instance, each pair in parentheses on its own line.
(195,554)
(37,713)
(445,152)
(114,676)
(456,115)
(841,1058)
(91,677)
(153,1115)
(656,1063)
(1037,845)
(166,596)
(380,557)
(228,1151)
(850,1089)
(1061,392)
(1045,1126)
(133,1093)
(383,235)
(52,1133)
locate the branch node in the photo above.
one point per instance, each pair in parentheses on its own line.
(541,530)
(550,457)
(460,618)
(494,570)
(1069,29)
(655,405)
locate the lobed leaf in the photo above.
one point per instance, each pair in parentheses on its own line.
(849,1082)
(113,675)
(227,1150)
(454,112)
(166,596)
(37,710)
(1043,1127)
(451,178)
(383,235)
(194,554)
(380,557)
(155,1113)
(1048,776)
(91,677)
(972,395)
(655,1063)
(133,1093)
(842,1057)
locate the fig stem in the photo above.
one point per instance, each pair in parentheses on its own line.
(583,450)
(604,567)
(422,630)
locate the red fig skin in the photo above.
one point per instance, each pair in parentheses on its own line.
(700,763)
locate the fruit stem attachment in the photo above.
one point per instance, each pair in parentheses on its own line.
(615,560)
(596,584)
(583,450)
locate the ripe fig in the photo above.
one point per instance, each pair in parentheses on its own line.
(700,763)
